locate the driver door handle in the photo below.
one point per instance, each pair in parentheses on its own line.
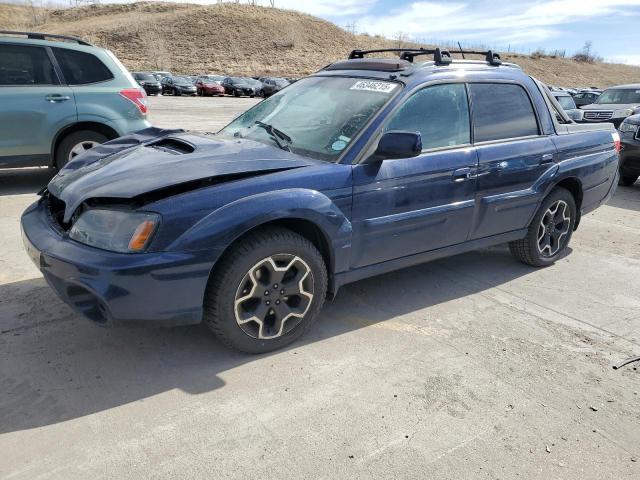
(56,98)
(461,174)
(546,158)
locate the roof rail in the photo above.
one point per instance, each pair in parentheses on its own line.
(44,36)
(440,56)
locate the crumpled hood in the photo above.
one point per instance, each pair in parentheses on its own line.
(153,159)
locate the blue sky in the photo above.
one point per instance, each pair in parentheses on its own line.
(613,26)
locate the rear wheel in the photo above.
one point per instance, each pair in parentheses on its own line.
(266,291)
(628,180)
(75,144)
(236,93)
(549,232)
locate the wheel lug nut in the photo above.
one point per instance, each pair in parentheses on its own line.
(277,302)
(282,292)
(275,285)
(266,292)
(267,302)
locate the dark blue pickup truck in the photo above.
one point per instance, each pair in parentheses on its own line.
(369,165)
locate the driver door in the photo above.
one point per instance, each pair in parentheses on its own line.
(407,206)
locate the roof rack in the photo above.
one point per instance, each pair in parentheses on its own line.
(440,56)
(44,36)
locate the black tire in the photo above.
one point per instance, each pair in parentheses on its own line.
(236,93)
(262,94)
(628,180)
(176,93)
(67,143)
(230,274)
(527,250)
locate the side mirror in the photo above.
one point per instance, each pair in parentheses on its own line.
(575,114)
(397,144)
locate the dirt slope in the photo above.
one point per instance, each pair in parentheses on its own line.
(244,40)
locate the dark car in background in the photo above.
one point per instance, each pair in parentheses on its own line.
(271,85)
(178,86)
(630,154)
(209,85)
(585,98)
(159,74)
(239,86)
(149,82)
(614,105)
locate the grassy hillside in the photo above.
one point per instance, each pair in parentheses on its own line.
(244,40)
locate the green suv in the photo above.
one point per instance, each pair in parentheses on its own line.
(60,96)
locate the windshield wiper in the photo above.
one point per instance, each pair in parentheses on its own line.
(278,135)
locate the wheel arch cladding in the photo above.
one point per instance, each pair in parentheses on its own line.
(307,212)
(105,130)
(574,186)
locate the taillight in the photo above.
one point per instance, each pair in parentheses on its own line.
(137,97)
(616,141)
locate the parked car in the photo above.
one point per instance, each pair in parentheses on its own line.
(178,86)
(159,74)
(614,105)
(239,86)
(630,154)
(568,105)
(367,166)
(149,82)
(271,85)
(209,85)
(60,96)
(585,98)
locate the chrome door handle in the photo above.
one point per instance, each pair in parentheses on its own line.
(461,174)
(55,98)
(546,158)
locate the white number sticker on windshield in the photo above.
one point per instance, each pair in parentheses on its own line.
(374,86)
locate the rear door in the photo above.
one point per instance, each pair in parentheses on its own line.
(33,105)
(407,206)
(512,156)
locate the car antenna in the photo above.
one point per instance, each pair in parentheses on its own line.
(460,47)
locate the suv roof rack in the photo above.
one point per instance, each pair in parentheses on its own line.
(44,36)
(440,56)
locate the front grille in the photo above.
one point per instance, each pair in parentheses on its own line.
(598,116)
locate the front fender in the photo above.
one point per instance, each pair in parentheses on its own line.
(222,227)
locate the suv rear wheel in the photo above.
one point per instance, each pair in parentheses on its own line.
(549,232)
(628,180)
(76,143)
(266,291)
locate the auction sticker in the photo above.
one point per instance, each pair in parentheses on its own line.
(374,86)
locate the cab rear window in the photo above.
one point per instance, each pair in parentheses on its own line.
(81,68)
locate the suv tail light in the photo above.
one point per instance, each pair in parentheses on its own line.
(137,97)
(616,141)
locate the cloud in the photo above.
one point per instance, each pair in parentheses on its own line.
(496,21)
(328,8)
(632,59)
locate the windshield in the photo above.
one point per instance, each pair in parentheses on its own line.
(211,79)
(145,77)
(237,81)
(620,95)
(319,115)
(566,102)
(181,81)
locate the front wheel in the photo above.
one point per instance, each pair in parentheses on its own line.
(549,232)
(266,291)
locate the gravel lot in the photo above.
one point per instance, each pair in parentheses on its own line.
(465,368)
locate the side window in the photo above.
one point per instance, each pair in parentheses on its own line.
(440,113)
(81,68)
(23,65)
(501,111)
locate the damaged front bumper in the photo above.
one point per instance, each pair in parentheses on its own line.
(160,288)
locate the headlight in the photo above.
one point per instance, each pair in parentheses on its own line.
(115,230)
(628,127)
(623,113)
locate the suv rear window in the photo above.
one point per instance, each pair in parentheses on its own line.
(81,68)
(501,111)
(22,65)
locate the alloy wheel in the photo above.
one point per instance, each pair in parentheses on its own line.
(274,296)
(81,148)
(553,229)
